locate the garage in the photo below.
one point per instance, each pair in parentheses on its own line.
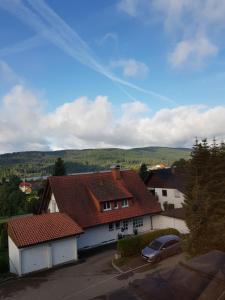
(41,242)
(34,259)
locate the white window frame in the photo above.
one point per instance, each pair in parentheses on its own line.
(126,204)
(106,205)
(125,224)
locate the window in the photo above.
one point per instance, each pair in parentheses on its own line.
(164,193)
(137,222)
(117,225)
(125,203)
(125,224)
(106,205)
(115,204)
(170,243)
(111,226)
(152,191)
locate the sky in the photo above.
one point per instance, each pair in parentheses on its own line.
(116,73)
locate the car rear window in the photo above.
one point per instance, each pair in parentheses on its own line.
(155,245)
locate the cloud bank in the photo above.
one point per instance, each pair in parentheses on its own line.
(84,123)
(196,26)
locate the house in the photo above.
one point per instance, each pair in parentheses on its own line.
(41,242)
(168,185)
(105,204)
(172,218)
(25,187)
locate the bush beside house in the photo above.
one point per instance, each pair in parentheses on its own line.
(133,245)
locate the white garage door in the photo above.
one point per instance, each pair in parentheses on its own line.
(63,251)
(34,259)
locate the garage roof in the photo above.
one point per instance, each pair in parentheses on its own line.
(31,230)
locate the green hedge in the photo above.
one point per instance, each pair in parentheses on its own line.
(4,262)
(133,245)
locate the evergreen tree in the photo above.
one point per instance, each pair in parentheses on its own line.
(59,168)
(205,198)
(143,172)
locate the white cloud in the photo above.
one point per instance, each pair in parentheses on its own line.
(196,26)
(131,67)
(192,52)
(85,123)
(7,75)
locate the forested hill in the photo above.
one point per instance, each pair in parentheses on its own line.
(40,163)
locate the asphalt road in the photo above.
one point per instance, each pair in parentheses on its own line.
(91,279)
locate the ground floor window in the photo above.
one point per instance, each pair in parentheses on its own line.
(111,226)
(117,224)
(125,224)
(137,222)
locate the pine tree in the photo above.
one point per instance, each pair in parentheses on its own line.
(143,172)
(205,198)
(59,168)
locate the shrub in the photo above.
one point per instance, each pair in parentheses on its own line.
(133,245)
(4,262)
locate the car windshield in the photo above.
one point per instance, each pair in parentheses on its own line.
(155,245)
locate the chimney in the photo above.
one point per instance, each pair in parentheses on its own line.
(116,172)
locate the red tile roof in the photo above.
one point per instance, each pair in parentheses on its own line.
(30,230)
(73,195)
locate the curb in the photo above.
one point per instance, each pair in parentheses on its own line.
(117,268)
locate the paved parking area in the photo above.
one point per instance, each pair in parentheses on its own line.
(89,279)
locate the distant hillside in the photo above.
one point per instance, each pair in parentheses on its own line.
(40,163)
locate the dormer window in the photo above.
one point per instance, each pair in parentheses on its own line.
(106,205)
(125,203)
(116,204)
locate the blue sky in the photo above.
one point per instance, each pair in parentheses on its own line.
(138,72)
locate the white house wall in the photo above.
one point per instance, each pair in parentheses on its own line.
(161,222)
(100,235)
(52,207)
(14,257)
(173,197)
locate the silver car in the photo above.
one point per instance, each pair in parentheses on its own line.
(162,247)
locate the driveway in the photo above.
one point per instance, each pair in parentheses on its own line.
(87,280)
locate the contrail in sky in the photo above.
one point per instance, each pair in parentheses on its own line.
(41,18)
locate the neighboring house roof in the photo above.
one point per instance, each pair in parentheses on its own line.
(31,230)
(167,178)
(77,196)
(177,213)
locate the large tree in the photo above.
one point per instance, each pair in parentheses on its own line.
(12,200)
(143,172)
(59,168)
(205,198)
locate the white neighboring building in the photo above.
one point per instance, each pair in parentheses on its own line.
(168,186)
(172,218)
(106,204)
(41,242)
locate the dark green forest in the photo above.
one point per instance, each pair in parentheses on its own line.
(41,163)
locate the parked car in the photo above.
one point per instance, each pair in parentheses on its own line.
(162,247)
